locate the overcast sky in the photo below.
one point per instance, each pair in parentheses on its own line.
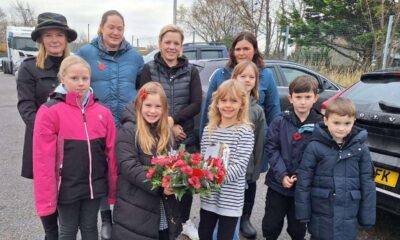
(143,18)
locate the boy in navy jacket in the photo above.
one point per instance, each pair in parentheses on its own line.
(336,191)
(287,138)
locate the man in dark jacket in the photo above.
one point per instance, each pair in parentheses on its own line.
(336,190)
(287,137)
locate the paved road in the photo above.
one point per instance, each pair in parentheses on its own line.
(17,214)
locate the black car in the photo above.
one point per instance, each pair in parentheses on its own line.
(376,97)
(284,72)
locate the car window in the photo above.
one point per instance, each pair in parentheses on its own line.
(210,54)
(327,85)
(191,55)
(370,93)
(291,73)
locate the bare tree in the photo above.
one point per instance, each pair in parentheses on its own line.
(212,20)
(3,26)
(23,14)
(79,42)
(251,13)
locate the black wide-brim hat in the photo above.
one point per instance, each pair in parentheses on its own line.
(49,20)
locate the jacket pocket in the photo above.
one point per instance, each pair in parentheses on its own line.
(355,195)
(321,201)
(353,204)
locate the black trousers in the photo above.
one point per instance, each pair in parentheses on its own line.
(82,215)
(163,235)
(277,206)
(208,220)
(50,226)
(249,198)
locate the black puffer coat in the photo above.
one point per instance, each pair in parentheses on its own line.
(137,210)
(33,87)
(182,86)
(335,189)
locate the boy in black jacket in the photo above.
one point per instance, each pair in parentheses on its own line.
(287,138)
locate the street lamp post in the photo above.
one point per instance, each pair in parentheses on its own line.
(174,12)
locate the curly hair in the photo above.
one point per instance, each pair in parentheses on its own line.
(231,88)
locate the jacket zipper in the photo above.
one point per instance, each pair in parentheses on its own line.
(89,152)
(173,95)
(340,158)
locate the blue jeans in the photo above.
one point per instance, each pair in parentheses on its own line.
(235,235)
(82,214)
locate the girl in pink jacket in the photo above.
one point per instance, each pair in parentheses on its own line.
(74,162)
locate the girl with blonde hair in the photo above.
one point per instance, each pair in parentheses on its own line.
(73,153)
(229,127)
(246,72)
(144,133)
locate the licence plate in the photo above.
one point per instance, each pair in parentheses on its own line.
(386,177)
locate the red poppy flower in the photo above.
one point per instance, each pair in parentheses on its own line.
(143,94)
(297,136)
(102,66)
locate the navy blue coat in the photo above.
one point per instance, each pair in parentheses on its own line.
(113,76)
(283,151)
(335,187)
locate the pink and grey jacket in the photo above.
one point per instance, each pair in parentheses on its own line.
(73,152)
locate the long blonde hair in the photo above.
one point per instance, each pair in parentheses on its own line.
(239,69)
(42,53)
(229,88)
(144,138)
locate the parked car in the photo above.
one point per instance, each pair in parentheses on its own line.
(376,97)
(196,51)
(283,72)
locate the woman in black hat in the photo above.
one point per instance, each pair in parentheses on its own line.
(37,77)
